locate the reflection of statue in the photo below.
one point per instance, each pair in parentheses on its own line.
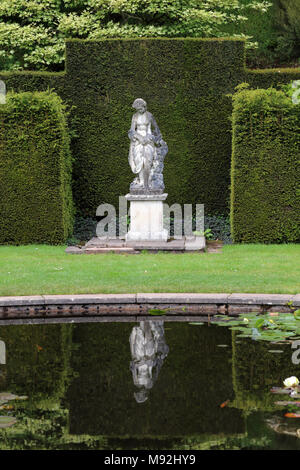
(147,151)
(148,351)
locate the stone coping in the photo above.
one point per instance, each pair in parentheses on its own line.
(146,197)
(153,298)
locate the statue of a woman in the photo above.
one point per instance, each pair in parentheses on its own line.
(147,150)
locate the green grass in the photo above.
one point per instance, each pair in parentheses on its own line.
(40,269)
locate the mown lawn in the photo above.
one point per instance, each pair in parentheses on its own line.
(39,269)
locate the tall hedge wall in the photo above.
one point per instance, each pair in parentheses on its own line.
(186,83)
(35,170)
(265,189)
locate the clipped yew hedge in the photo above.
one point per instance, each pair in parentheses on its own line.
(265,190)
(186,83)
(35,170)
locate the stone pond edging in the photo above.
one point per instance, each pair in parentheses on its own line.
(137,306)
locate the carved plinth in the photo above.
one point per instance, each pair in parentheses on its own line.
(146,217)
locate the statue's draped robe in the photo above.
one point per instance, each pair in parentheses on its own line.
(142,154)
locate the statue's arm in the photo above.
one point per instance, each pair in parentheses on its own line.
(132,341)
(132,130)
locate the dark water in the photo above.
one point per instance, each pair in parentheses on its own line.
(152,385)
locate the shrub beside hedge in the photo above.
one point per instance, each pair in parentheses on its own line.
(35,170)
(265,191)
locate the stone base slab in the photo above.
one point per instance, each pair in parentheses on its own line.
(118,245)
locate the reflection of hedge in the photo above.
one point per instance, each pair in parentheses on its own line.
(184,81)
(256,371)
(35,170)
(194,380)
(37,361)
(265,198)
(36,429)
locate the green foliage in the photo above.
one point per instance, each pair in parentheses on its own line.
(35,170)
(287,26)
(219,227)
(32,32)
(28,36)
(275,35)
(265,167)
(157,311)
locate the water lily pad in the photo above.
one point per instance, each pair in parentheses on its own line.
(280,391)
(259,323)
(287,403)
(297,314)
(7,421)
(280,342)
(6,396)
(6,407)
(264,327)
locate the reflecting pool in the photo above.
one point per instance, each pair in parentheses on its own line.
(146,385)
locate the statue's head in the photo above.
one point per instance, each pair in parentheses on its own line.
(141,396)
(140,105)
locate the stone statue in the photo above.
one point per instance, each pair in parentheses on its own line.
(148,350)
(147,151)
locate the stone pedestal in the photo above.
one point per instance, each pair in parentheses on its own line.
(146,217)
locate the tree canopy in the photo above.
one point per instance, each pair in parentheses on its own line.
(33,32)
